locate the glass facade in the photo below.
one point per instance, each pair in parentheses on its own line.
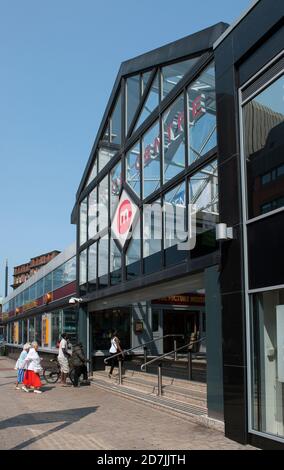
(151,160)
(267,362)
(202,114)
(83,221)
(173,139)
(263,124)
(133,169)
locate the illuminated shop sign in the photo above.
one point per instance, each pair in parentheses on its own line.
(182,299)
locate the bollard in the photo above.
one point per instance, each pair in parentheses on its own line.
(189,366)
(145,357)
(175,349)
(119,373)
(160,379)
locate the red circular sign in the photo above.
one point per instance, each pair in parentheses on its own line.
(124,217)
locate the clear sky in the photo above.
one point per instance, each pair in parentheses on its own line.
(58,63)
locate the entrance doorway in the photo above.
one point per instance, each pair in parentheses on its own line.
(177,321)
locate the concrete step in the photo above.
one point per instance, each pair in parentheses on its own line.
(182,382)
(186,411)
(185,393)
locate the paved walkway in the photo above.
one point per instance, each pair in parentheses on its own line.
(90,418)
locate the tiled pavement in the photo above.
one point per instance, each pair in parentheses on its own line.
(91,418)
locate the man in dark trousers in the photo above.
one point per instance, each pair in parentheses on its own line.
(78,364)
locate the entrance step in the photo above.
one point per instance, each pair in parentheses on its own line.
(185,410)
(182,391)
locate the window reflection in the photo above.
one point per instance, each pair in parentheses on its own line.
(115,263)
(92,266)
(132,98)
(93,172)
(104,156)
(172,74)
(151,160)
(83,267)
(175,216)
(173,139)
(115,182)
(202,114)
(115,123)
(92,214)
(83,221)
(203,193)
(264,149)
(151,102)
(103,261)
(133,253)
(103,203)
(133,170)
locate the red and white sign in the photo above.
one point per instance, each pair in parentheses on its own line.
(123,218)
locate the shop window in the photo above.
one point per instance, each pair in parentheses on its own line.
(104,322)
(83,221)
(151,102)
(203,195)
(31,329)
(38,329)
(202,114)
(267,362)
(151,160)
(103,261)
(172,74)
(103,203)
(25,331)
(70,324)
(133,168)
(263,130)
(132,98)
(115,186)
(92,267)
(115,263)
(173,139)
(83,268)
(92,214)
(115,123)
(56,328)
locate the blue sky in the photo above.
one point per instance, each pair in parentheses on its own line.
(58,63)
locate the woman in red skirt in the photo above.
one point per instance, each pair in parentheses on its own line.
(32,378)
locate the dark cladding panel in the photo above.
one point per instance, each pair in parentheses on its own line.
(266,252)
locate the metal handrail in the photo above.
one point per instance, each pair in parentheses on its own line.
(158,358)
(140,346)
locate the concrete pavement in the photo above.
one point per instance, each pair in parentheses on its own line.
(90,418)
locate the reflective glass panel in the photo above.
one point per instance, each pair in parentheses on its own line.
(70,324)
(133,253)
(92,266)
(69,271)
(151,160)
(202,114)
(40,288)
(133,170)
(92,214)
(203,192)
(31,330)
(104,156)
(173,139)
(56,328)
(93,173)
(83,267)
(115,186)
(132,98)
(115,263)
(48,283)
(83,221)
(58,277)
(103,261)
(263,128)
(151,102)
(103,203)
(38,324)
(152,228)
(172,74)
(145,79)
(175,216)
(267,362)
(115,123)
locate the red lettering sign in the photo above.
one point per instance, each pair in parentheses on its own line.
(124,217)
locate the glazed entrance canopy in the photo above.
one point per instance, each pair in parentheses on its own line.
(182,57)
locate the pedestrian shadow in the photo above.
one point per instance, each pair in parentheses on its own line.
(31,419)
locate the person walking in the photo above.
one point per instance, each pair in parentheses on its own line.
(63,357)
(20,365)
(115,348)
(33,362)
(78,363)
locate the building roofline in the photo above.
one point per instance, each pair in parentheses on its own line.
(234,24)
(191,45)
